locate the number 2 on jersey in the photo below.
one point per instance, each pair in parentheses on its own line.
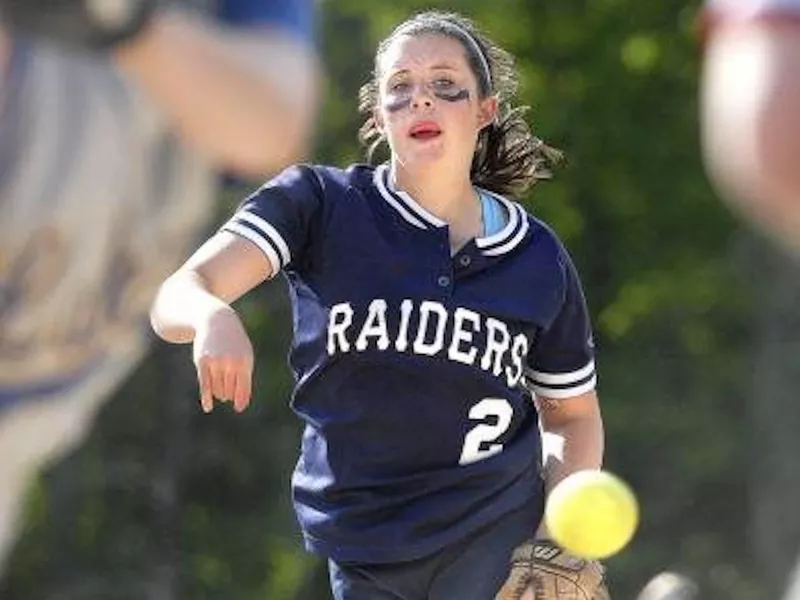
(478,441)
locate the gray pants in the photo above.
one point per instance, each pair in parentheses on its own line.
(36,432)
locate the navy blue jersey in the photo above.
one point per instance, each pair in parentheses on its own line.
(414,368)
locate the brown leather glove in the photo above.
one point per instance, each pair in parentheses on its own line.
(540,570)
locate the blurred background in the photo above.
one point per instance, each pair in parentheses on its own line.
(697,328)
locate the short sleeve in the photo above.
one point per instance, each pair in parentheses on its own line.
(292,16)
(281,218)
(562,362)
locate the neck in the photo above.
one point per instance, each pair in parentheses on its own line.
(450,198)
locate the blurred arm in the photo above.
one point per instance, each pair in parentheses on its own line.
(244,97)
(751,123)
(573,437)
(217,274)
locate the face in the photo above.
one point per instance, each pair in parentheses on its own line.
(429,109)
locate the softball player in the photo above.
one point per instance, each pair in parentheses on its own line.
(100,199)
(429,308)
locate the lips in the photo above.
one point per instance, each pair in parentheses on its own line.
(424,130)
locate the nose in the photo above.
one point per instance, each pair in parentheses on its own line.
(421,97)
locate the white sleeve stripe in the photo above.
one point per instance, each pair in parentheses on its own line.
(561,393)
(269,231)
(560,378)
(259,241)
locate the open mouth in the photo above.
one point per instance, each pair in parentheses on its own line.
(425,131)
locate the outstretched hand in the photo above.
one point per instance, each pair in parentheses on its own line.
(223,357)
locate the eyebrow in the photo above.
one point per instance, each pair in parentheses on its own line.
(439,67)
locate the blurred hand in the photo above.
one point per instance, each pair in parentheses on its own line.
(223,356)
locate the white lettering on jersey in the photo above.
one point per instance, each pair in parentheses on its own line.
(374,326)
(339,320)
(497,344)
(519,350)
(401,343)
(460,334)
(421,346)
(499,352)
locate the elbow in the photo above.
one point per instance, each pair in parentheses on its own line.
(157,326)
(160,321)
(156,322)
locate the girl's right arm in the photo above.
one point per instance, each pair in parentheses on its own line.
(194,305)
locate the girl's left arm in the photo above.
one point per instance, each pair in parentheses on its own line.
(573,438)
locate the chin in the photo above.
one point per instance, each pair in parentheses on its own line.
(424,157)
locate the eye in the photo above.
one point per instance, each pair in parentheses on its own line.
(443,83)
(399,87)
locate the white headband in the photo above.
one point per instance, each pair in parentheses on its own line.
(476,47)
(464,34)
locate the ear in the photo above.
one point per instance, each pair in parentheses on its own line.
(487,111)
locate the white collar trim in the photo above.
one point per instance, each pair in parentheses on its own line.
(411,211)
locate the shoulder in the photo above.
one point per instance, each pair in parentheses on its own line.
(333,180)
(336,178)
(544,240)
(325,182)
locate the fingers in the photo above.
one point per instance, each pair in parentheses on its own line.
(224,379)
(228,384)
(244,386)
(204,381)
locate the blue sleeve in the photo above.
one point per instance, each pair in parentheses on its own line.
(294,16)
(282,218)
(563,355)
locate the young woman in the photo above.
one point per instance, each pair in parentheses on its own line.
(429,311)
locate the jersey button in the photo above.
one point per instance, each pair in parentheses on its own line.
(465,260)
(443,281)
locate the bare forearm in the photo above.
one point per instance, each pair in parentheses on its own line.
(244,99)
(182,302)
(581,448)
(574,446)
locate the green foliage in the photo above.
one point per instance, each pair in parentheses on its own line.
(611,82)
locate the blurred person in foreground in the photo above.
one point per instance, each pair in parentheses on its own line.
(750,111)
(116,119)
(750,119)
